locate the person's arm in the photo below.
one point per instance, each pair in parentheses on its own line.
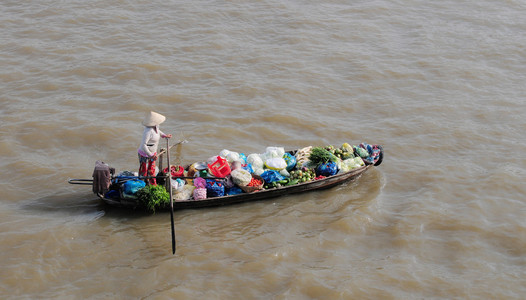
(164,135)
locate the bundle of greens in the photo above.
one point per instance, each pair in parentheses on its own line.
(321,155)
(153,196)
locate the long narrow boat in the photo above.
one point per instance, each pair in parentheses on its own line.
(254,196)
(312,185)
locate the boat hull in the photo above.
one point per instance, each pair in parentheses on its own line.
(324,183)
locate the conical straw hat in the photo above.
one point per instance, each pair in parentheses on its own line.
(153,119)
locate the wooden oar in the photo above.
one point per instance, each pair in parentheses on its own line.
(171,199)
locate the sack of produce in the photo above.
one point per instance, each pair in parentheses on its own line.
(271,176)
(236,165)
(255,160)
(290,160)
(232,157)
(276,163)
(199,193)
(184,193)
(284,173)
(177,183)
(224,153)
(241,177)
(248,167)
(258,171)
(228,182)
(363,153)
(214,188)
(272,152)
(351,164)
(199,182)
(243,158)
(131,187)
(327,169)
(235,190)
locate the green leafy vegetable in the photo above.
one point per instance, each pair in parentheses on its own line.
(321,155)
(153,197)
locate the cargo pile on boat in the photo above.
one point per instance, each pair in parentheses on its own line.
(231,173)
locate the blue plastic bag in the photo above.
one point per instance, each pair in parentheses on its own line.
(248,167)
(290,160)
(131,187)
(235,190)
(327,169)
(271,176)
(243,157)
(215,188)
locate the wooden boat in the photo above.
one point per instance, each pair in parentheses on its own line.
(319,184)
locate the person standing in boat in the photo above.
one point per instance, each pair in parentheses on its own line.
(150,142)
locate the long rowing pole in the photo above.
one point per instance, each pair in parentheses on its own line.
(171,199)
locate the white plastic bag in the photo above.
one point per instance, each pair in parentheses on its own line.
(276,163)
(255,160)
(184,193)
(241,177)
(232,157)
(224,153)
(258,171)
(275,152)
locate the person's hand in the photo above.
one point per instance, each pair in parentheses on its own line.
(167,136)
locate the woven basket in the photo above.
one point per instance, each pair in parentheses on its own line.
(250,189)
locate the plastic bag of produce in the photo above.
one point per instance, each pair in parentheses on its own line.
(131,187)
(248,167)
(232,157)
(347,165)
(284,173)
(276,163)
(214,188)
(290,160)
(275,152)
(351,164)
(236,165)
(177,183)
(363,153)
(358,162)
(184,193)
(199,182)
(255,160)
(228,182)
(271,176)
(243,158)
(258,171)
(224,153)
(241,177)
(199,193)
(327,169)
(233,190)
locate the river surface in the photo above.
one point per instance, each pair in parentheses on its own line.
(440,84)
